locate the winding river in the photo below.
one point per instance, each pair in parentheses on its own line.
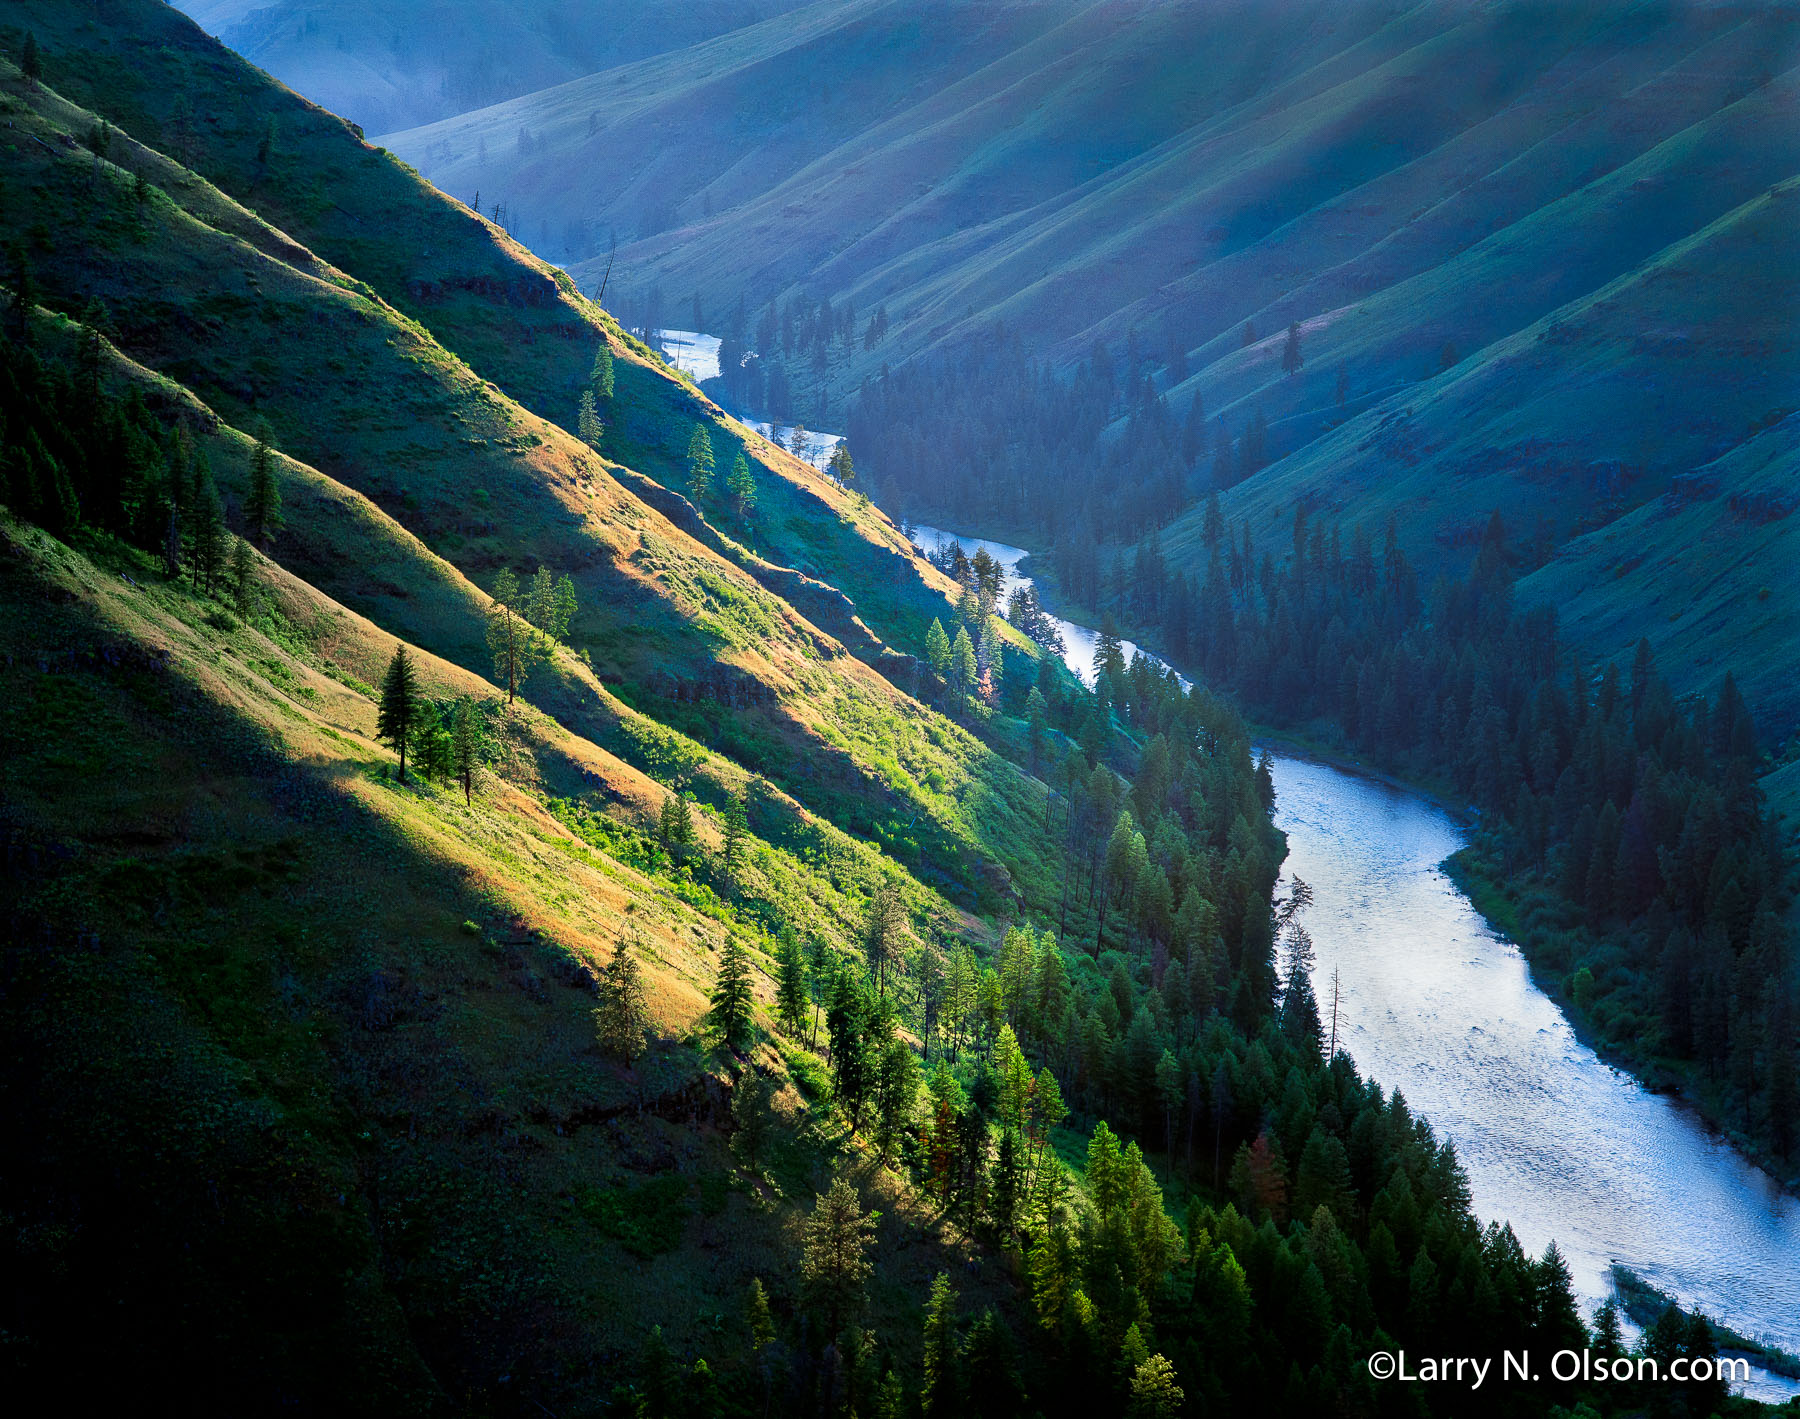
(1435,1004)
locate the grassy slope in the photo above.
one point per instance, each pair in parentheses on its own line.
(508,316)
(371,398)
(280,974)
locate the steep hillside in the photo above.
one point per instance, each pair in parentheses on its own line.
(379,66)
(512,319)
(370,398)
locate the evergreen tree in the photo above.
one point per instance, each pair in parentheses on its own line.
(512,640)
(262,509)
(937,650)
(740,486)
(940,1397)
(752,1117)
(430,741)
(588,427)
(792,1000)
(1290,353)
(834,1261)
(600,378)
(675,827)
(733,999)
(1154,1392)
(700,464)
(31,62)
(883,930)
(963,673)
(840,467)
(243,577)
(399,705)
(622,1018)
(731,856)
(465,745)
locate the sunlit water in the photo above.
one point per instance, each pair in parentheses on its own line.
(1555,1142)
(1079,642)
(1434,1003)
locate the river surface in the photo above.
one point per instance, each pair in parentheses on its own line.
(1434,1003)
(1079,642)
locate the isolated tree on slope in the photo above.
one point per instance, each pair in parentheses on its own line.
(737,813)
(514,642)
(700,464)
(600,378)
(465,745)
(733,998)
(622,1018)
(840,467)
(262,510)
(1290,353)
(741,486)
(399,705)
(937,649)
(588,427)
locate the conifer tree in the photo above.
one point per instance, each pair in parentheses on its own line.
(963,673)
(700,464)
(834,1261)
(600,377)
(465,745)
(883,929)
(840,467)
(740,485)
(31,62)
(733,999)
(588,427)
(752,1117)
(792,1000)
(622,1018)
(262,508)
(675,828)
(399,705)
(731,855)
(243,577)
(940,1397)
(937,649)
(512,640)
(1290,353)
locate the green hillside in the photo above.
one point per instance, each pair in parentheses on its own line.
(1578,212)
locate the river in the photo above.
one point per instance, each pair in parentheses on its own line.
(1435,1004)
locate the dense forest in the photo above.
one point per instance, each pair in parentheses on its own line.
(1623,831)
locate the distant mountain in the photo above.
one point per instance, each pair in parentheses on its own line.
(393,63)
(1537,256)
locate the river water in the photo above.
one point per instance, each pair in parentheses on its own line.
(1555,1142)
(1435,1004)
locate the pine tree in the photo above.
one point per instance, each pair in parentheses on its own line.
(262,509)
(963,674)
(700,464)
(731,856)
(792,1001)
(31,62)
(937,649)
(243,577)
(752,1117)
(588,427)
(514,643)
(834,1262)
(622,1018)
(733,999)
(840,467)
(1290,353)
(465,745)
(740,485)
(882,931)
(675,827)
(399,705)
(1154,1393)
(600,378)
(941,1393)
